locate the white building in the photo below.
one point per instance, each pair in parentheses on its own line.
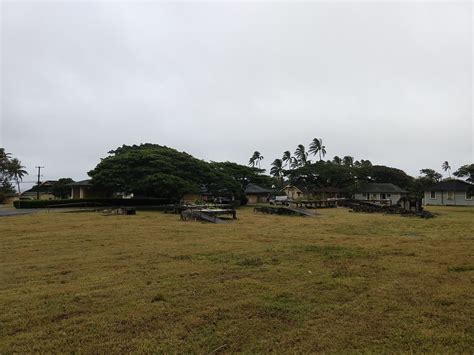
(450,193)
(380,192)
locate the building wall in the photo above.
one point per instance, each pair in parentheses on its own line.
(80,192)
(75,192)
(190,198)
(252,199)
(257,198)
(293,193)
(394,197)
(442,199)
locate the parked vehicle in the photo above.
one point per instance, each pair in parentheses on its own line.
(280,200)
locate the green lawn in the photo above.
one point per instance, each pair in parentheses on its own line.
(340,282)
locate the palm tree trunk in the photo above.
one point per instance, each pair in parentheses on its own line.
(18,184)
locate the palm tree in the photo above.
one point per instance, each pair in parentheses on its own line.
(4,158)
(17,171)
(337,160)
(447,168)
(316,147)
(301,155)
(255,159)
(287,158)
(277,168)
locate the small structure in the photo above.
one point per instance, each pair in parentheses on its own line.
(205,195)
(45,190)
(207,214)
(450,193)
(406,207)
(84,189)
(300,192)
(281,200)
(380,192)
(410,203)
(257,194)
(294,192)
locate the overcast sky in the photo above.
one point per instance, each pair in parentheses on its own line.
(388,82)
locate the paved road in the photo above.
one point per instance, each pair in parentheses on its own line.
(7,211)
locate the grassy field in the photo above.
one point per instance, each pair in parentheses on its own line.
(340,282)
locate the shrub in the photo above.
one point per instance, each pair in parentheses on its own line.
(94,202)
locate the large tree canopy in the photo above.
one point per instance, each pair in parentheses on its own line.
(151,170)
(61,188)
(158,171)
(466,171)
(242,174)
(381,173)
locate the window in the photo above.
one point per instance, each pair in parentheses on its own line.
(450,195)
(433,194)
(468,195)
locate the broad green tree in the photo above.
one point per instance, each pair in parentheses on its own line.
(466,171)
(432,175)
(61,188)
(348,161)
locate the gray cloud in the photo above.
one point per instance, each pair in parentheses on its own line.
(388,82)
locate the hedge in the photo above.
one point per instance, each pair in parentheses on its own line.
(91,202)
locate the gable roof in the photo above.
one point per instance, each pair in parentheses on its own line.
(299,187)
(255,189)
(381,188)
(81,183)
(44,188)
(452,185)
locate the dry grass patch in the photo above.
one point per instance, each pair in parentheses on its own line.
(151,283)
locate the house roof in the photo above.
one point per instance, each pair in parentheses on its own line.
(381,188)
(44,188)
(255,189)
(301,188)
(81,183)
(452,185)
(49,182)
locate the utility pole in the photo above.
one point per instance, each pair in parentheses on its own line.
(39,175)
